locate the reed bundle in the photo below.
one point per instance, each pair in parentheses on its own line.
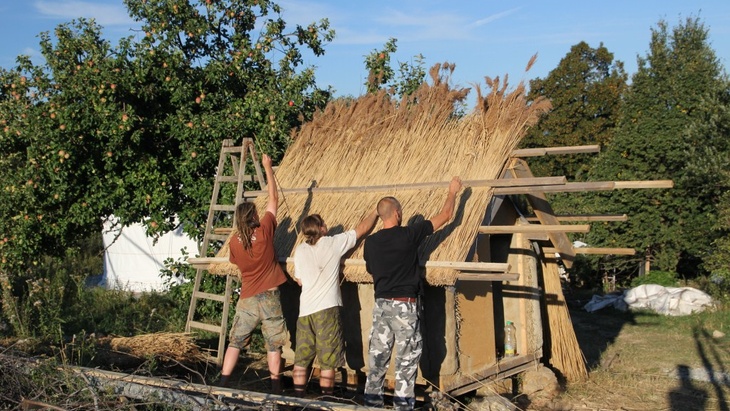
(374,140)
(167,346)
(565,353)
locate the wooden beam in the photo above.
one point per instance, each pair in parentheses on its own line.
(644,184)
(185,395)
(518,169)
(584,186)
(535,181)
(537,236)
(542,151)
(594,250)
(534,228)
(564,188)
(488,277)
(585,217)
(354,262)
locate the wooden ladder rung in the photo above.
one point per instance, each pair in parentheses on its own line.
(223,207)
(221,237)
(207,327)
(236,149)
(209,296)
(227,179)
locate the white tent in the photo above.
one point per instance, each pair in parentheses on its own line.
(132,260)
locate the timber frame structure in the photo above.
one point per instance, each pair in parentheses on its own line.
(498,279)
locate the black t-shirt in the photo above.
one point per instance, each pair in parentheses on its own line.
(391,257)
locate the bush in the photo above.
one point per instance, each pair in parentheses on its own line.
(663,278)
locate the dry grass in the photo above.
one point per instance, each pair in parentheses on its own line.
(638,359)
(377,141)
(178,347)
(565,355)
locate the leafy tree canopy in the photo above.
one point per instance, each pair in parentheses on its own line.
(586,89)
(666,120)
(134,130)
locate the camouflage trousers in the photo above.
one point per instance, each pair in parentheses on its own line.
(394,322)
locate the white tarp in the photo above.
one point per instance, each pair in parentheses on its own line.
(663,300)
(133,262)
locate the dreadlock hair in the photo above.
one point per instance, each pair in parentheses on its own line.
(311,227)
(246,221)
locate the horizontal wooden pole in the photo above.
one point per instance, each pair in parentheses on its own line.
(500,182)
(584,186)
(644,184)
(203,396)
(542,151)
(488,277)
(534,228)
(565,188)
(200,262)
(595,250)
(586,217)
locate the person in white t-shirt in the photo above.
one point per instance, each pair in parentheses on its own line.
(319,327)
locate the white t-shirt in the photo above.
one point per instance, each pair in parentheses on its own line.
(318,269)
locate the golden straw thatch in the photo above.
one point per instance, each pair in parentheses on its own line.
(374,141)
(168,346)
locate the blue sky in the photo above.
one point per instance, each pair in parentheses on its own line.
(483,38)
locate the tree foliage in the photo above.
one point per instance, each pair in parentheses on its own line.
(586,89)
(381,74)
(134,130)
(674,95)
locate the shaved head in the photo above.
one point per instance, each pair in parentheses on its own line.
(389,208)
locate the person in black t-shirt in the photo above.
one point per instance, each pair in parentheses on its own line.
(391,257)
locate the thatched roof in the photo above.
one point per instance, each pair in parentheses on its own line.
(374,141)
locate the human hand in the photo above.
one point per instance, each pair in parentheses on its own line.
(266,161)
(455,185)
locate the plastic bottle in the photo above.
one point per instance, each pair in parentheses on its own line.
(510,340)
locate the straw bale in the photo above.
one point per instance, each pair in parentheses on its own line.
(375,140)
(169,346)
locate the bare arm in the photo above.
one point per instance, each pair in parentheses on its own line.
(447,211)
(366,224)
(273,203)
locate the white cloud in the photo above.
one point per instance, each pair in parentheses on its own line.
(494,17)
(105,14)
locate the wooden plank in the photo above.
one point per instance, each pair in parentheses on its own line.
(534,228)
(467,276)
(541,151)
(564,188)
(586,217)
(517,169)
(537,236)
(584,186)
(535,181)
(203,396)
(207,327)
(644,184)
(209,296)
(354,262)
(595,250)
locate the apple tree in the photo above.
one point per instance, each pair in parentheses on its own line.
(134,129)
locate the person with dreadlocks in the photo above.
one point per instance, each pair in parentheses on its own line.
(252,250)
(319,327)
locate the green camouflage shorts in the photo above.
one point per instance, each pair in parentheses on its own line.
(265,309)
(320,335)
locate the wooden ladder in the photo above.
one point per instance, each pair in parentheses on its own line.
(221,217)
